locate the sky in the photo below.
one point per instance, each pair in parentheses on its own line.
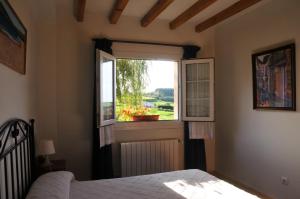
(161,74)
(107,81)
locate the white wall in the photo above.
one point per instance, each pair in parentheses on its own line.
(18,92)
(256,147)
(46,58)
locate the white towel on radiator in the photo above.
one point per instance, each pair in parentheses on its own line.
(202,130)
(106,135)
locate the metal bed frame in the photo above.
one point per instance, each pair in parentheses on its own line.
(17,158)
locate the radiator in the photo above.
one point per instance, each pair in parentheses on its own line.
(147,157)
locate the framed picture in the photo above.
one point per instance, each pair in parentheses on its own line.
(274,79)
(13,36)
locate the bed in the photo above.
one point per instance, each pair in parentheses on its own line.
(18,181)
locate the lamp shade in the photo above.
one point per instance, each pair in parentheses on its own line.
(46,147)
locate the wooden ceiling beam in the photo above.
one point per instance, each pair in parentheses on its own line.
(190,12)
(228,12)
(117,11)
(79,8)
(160,6)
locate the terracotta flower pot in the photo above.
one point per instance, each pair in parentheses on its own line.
(145,117)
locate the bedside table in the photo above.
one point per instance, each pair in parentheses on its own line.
(57,165)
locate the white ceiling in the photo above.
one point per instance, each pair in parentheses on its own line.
(138,8)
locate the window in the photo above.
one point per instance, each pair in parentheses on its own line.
(105,71)
(146,90)
(198,89)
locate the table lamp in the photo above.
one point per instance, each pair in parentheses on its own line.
(46,148)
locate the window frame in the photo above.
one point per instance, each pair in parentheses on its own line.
(99,70)
(211,116)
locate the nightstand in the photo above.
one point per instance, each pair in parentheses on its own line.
(57,165)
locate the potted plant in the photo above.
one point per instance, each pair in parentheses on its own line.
(145,117)
(138,114)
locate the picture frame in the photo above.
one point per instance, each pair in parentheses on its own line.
(274,79)
(13,39)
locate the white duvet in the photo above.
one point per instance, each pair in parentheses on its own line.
(186,184)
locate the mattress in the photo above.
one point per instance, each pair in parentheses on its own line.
(189,184)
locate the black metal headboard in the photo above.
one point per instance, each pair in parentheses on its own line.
(17,158)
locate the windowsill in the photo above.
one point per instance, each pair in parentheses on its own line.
(126,126)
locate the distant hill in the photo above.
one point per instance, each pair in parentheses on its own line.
(164,92)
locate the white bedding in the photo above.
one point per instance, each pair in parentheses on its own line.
(54,185)
(189,184)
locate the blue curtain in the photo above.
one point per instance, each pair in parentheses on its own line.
(194,150)
(102,167)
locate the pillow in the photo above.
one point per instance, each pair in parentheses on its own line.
(51,185)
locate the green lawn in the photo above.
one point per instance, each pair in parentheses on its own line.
(163,115)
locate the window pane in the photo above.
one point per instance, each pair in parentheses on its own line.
(147,90)
(197,90)
(107,92)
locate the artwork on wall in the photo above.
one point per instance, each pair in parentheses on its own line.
(274,79)
(12,39)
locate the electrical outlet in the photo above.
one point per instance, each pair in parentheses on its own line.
(284,180)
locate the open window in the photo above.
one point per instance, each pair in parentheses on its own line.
(198,90)
(147,90)
(133,89)
(106,88)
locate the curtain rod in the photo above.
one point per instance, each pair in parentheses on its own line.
(150,43)
(189,51)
